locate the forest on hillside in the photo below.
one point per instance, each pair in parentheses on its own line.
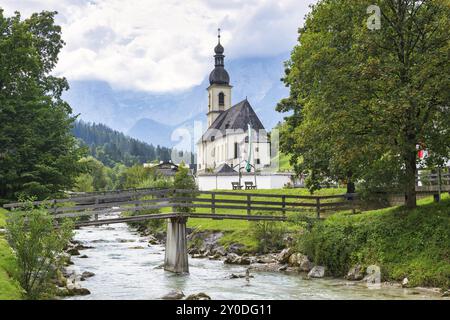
(111,147)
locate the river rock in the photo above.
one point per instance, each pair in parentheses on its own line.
(446,294)
(83,256)
(317,272)
(86,274)
(173,295)
(356,273)
(300,260)
(283,268)
(137,247)
(233,258)
(239,276)
(219,251)
(284,255)
(73,251)
(198,296)
(152,240)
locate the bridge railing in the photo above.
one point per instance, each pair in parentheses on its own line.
(207,204)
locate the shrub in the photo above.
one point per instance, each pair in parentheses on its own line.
(183,180)
(268,234)
(38,246)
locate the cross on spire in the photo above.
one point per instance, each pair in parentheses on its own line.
(218,34)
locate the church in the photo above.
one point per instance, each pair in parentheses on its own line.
(235,139)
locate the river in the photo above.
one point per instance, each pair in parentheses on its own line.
(126,267)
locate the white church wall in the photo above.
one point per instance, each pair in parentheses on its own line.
(223,182)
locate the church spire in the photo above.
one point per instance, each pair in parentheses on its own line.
(219,57)
(219,75)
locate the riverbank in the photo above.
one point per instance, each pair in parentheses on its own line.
(9,286)
(412,247)
(409,247)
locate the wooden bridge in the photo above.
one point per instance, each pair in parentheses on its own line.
(177,206)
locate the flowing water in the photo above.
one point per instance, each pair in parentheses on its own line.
(126,267)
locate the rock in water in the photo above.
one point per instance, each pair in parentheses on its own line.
(173,295)
(198,296)
(355,273)
(317,272)
(86,275)
(284,255)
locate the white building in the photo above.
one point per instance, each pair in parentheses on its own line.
(227,139)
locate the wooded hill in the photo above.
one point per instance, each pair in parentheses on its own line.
(111,147)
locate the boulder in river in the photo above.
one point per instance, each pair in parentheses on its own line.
(356,273)
(198,296)
(317,272)
(173,295)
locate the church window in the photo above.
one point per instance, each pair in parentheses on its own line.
(258,161)
(221,99)
(235,150)
(213,138)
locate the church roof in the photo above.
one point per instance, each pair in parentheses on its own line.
(236,118)
(219,76)
(224,168)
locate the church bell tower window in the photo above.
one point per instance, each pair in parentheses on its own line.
(221,99)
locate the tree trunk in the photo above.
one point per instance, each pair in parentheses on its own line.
(410,185)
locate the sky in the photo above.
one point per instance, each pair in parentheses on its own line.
(164,45)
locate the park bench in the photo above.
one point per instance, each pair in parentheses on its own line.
(249,185)
(236,186)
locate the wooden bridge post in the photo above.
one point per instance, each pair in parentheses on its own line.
(213,203)
(176,256)
(283,204)
(249,203)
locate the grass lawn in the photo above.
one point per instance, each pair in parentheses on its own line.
(238,231)
(9,288)
(413,244)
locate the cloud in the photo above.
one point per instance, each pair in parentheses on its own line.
(164,45)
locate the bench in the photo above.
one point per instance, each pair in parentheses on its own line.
(236,186)
(249,185)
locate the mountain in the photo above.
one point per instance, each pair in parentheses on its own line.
(152,117)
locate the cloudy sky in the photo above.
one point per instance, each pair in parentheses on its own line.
(164,45)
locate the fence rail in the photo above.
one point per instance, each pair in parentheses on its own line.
(221,204)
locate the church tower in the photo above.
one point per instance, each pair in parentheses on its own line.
(219,90)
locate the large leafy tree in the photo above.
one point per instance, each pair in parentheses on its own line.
(38,154)
(365,100)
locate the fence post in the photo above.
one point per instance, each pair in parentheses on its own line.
(318,207)
(54,206)
(96,203)
(248,205)
(283,204)
(213,203)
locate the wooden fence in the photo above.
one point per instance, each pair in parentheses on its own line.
(211,204)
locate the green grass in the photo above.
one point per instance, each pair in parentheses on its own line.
(413,244)
(238,231)
(9,288)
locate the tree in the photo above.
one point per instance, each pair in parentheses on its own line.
(363,100)
(38,154)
